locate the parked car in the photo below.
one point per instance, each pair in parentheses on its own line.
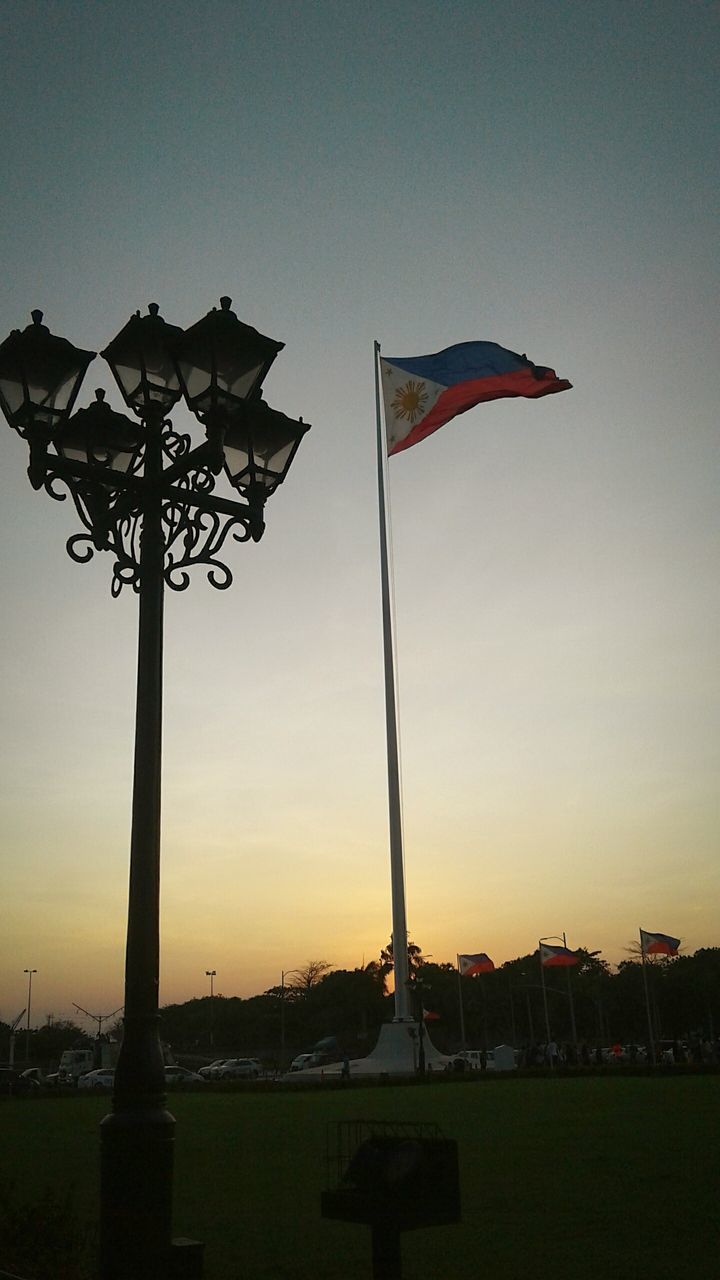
(100,1079)
(175,1076)
(17,1084)
(303,1060)
(239,1069)
(209,1073)
(35,1074)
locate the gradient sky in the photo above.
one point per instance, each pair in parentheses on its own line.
(542,175)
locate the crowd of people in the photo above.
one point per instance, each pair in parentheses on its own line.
(698,1050)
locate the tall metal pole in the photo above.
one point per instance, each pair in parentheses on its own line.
(512,1011)
(545,1003)
(282,1020)
(211,974)
(651,1037)
(397,869)
(572,1009)
(463,1045)
(137,1138)
(30,973)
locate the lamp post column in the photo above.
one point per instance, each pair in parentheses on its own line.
(212,974)
(137,1138)
(30,973)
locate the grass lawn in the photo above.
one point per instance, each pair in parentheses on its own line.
(591,1178)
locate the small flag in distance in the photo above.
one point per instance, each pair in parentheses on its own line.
(556,957)
(658,944)
(479,963)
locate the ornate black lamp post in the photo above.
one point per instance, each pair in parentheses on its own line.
(143,492)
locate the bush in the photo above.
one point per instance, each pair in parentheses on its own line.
(44,1239)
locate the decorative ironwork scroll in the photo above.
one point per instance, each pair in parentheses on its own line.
(195,531)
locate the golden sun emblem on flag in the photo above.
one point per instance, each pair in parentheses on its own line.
(410,401)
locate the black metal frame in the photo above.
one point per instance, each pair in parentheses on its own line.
(112,505)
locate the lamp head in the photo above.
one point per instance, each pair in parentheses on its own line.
(221,363)
(260,444)
(141,359)
(100,437)
(40,376)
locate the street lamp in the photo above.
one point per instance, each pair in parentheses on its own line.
(566,963)
(29,973)
(143,492)
(211,974)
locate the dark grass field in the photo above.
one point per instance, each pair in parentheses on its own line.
(590,1178)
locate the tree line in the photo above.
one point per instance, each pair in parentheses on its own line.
(506,1006)
(347,1007)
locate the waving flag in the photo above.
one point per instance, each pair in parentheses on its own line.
(556,957)
(658,944)
(429,1015)
(470,965)
(422,393)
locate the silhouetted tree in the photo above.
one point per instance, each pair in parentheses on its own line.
(308,976)
(415,958)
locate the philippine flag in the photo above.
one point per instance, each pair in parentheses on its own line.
(422,393)
(658,944)
(556,957)
(470,965)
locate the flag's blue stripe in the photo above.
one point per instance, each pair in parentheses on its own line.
(462,363)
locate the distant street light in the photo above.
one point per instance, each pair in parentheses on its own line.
(30,973)
(211,974)
(97,1017)
(144,493)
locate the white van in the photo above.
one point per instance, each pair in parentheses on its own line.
(501,1058)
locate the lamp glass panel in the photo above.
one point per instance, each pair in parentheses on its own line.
(45,392)
(261,452)
(129,378)
(113,458)
(11,395)
(239,379)
(74,450)
(270,470)
(237,456)
(160,385)
(159,367)
(197,379)
(272,448)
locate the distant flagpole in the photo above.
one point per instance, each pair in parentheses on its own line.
(462,1011)
(397,862)
(651,1037)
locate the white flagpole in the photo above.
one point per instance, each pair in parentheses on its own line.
(397,869)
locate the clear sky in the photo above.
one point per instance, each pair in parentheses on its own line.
(542,175)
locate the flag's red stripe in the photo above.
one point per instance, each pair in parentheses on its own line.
(464,395)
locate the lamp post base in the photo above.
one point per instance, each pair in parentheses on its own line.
(186,1259)
(136,1165)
